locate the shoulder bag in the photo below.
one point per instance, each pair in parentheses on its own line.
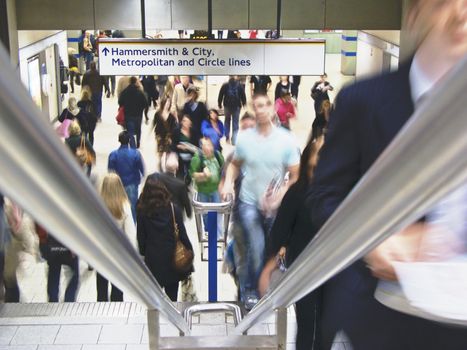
(83,153)
(183,257)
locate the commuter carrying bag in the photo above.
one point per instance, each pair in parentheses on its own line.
(83,153)
(232,98)
(120,118)
(62,129)
(183,257)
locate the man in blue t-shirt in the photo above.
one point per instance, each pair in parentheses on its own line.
(264,155)
(128,164)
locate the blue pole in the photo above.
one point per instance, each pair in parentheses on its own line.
(212,255)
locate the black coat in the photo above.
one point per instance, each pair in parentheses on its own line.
(87,117)
(134,101)
(197,116)
(177,189)
(292,227)
(156,242)
(73,142)
(366,118)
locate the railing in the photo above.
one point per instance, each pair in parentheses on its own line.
(211,210)
(39,173)
(424,162)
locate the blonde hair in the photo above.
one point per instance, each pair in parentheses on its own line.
(114,195)
(74,129)
(86,93)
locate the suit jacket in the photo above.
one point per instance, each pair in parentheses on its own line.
(178,190)
(366,118)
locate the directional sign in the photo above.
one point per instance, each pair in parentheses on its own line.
(211,57)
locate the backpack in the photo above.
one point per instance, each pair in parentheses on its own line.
(232,98)
(81,45)
(217,154)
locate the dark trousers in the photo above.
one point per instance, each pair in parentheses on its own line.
(308,314)
(97,101)
(171,290)
(111,83)
(370,325)
(102,285)
(11,294)
(294,90)
(133,126)
(55,262)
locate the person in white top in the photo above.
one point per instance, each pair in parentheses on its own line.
(114,196)
(180,96)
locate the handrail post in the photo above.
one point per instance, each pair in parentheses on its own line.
(281,328)
(212,256)
(154,331)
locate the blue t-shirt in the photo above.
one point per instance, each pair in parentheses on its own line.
(264,159)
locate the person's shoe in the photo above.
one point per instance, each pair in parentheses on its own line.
(250,302)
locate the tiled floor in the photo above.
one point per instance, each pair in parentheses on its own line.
(64,333)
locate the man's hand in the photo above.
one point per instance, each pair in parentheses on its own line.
(402,246)
(271,201)
(265,277)
(227,192)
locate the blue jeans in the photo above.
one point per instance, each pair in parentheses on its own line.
(97,101)
(132,193)
(213,197)
(55,262)
(255,229)
(231,114)
(88,57)
(133,126)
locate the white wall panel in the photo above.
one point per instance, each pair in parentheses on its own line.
(263,14)
(303,14)
(363,14)
(54,14)
(190,14)
(193,14)
(158,15)
(228,14)
(118,14)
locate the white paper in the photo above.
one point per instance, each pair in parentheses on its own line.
(432,290)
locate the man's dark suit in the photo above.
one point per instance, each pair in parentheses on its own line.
(177,190)
(367,116)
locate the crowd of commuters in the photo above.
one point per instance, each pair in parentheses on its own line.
(282,196)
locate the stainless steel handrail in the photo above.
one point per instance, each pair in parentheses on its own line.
(424,162)
(201,208)
(39,173)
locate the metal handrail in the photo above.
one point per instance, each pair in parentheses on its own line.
(39,173)
(200,208)
(424,163)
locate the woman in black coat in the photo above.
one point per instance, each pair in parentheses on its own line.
(292,230)
(156,237)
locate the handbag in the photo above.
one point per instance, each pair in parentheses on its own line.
(83,154)
(120,118)
(62,129)
(183,257)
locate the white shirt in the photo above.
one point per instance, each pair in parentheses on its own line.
(420,84)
